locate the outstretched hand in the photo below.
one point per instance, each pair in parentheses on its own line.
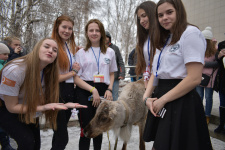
(74,105)
(55,106)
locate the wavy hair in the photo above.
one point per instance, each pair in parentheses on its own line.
(103,36)
(210,49)
(63,59)
(142,35)
(179,27)
(36,96)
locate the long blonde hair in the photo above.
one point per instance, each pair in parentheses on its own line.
(34,94)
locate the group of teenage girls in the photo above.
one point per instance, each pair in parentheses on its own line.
(170,52)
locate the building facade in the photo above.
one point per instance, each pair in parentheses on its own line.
(203,13)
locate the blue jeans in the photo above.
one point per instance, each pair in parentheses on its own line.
(208,98)
(115,90)
(133,79)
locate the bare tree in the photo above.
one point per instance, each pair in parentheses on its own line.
(121,24)
(32,20)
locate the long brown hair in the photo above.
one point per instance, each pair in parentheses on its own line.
(63,59)
(180,25)
(34,95)
(210,49)
(142,35)
(102,39)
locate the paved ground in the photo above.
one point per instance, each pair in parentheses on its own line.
(133,144)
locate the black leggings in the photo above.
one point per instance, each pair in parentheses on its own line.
(27,136)
(60,136)
(85,115)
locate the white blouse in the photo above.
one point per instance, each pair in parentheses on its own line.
(190,48)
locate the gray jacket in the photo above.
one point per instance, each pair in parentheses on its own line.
(119,61)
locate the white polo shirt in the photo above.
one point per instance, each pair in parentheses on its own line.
(12,79)
(89,67)
(190,48)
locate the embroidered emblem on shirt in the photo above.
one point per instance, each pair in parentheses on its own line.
(8,82)
(107,60)
(174,48)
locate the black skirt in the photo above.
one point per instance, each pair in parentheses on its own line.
(184,124)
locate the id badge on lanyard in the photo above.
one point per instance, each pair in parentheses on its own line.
(98,78)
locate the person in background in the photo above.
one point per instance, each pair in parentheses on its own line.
(178,120)
(132,61)
(97,67)
(220,86)
(64,36)
(14,45)
(21,105)
(120,74)
(4,138)
(4,54)
(210,69)
(145,14)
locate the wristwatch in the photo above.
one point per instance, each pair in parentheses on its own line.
(145,100)
(75,71)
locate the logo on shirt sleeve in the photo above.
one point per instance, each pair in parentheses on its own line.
(8,82)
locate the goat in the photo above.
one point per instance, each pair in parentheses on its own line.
(120,115)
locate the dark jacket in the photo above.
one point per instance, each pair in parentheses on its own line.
(220,77)
(13,55)
(119,61)
(132,61)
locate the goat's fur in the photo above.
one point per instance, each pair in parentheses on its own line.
(112,114)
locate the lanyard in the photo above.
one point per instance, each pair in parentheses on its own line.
(96,58)
(42,75)
(148,51)
(70,57)
(158,64)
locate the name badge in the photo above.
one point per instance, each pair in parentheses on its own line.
(98,78)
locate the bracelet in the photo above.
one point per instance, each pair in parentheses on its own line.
(92,89)
(75,71)
(145,100)
(109,90)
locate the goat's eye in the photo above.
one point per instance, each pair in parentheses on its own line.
(103,119)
